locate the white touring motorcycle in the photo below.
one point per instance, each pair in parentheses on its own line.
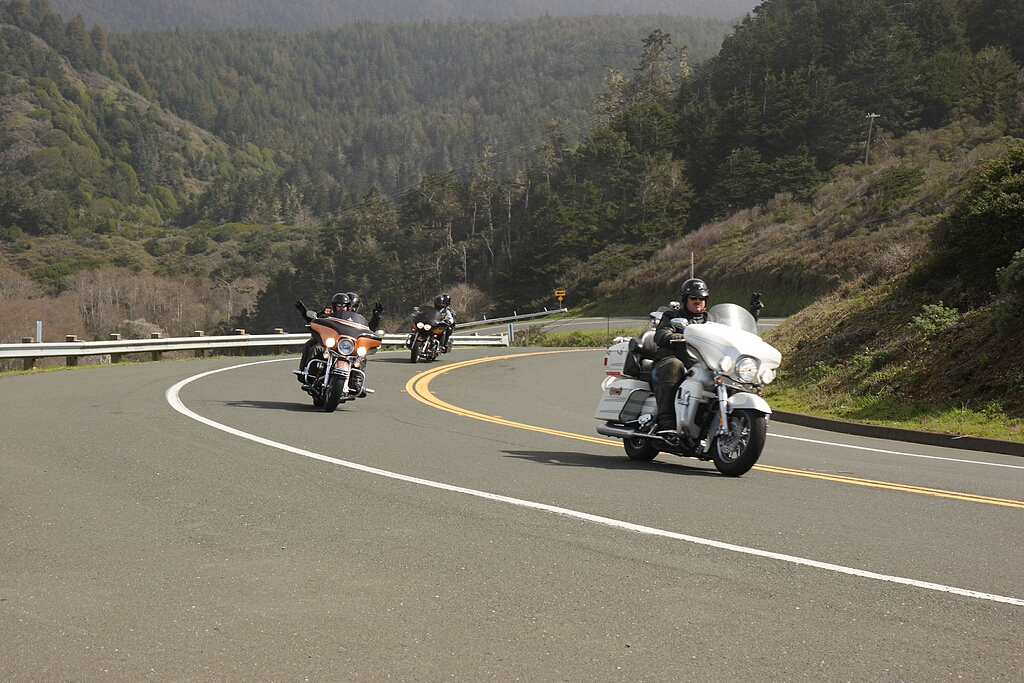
(721,414)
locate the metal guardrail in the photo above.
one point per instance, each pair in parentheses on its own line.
(72,349)
(511,318)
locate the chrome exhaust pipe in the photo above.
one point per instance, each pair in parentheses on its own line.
(608,430)
(623,433)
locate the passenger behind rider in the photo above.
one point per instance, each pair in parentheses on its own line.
(353,312)
(442,302)
(672,360)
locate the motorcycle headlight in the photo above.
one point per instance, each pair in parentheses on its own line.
(746,369)
(361,351)
(726,364)
(330,342)
(767,376)
(346,347)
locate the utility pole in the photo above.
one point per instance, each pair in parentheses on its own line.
(871,124)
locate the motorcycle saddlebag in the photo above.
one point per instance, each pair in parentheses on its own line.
(623,400)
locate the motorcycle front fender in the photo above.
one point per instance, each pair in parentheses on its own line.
(743,400)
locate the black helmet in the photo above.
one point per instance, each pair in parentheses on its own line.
(442,300)
(354,301)
(694,287)
(340,302)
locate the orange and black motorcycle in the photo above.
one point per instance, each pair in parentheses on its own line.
(336,371)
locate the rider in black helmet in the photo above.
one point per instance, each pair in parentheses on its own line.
(673,360)
(355,315)
(340,303)
(442,302)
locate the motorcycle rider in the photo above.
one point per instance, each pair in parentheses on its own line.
(755,305)
(672,360)
(355,316)
(442,302)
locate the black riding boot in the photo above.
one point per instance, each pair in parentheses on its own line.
(664,394)
(670,373)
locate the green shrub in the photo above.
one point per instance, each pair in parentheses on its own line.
(1011,277)
(933,319)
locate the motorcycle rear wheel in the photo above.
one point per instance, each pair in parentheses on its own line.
(639,449)
(736,452)
(333,396)
(642,450)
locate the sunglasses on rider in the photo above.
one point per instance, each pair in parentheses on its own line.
(698,298)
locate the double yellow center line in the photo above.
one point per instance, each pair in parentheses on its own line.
(419,388)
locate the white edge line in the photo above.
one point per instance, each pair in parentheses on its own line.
(175,402)
(908,455)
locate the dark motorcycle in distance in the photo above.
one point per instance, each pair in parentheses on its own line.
(428,327)
(338,372)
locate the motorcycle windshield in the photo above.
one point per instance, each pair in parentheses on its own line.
(733,316)
(427,314)
(348,328)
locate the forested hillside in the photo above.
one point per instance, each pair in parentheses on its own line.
(291,15)
(372,104)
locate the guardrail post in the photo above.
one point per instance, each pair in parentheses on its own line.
(30,363)
(200,353)
(280,349)
(157,355)
(71,361)
(240,351)
(115,357)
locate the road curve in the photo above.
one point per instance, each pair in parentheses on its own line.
(498,538)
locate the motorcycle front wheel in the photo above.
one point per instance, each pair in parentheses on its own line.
(417,348)
(333,396)
(736,451)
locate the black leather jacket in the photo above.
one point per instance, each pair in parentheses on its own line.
(665,333)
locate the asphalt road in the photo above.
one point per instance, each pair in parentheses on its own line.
(468,524)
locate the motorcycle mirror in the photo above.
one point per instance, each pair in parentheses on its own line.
(680,323)
(310,314)
(380,333)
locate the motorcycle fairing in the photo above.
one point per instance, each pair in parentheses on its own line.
(717,340)
(428,315)
(349,328)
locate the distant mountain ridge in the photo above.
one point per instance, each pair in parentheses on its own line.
(291,15)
